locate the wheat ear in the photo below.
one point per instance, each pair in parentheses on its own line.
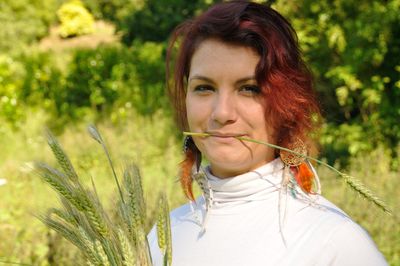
(134,188)
(127,249)
(61,156)
(97,136)
(164,230)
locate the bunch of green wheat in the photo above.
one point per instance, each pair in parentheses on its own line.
(83,221)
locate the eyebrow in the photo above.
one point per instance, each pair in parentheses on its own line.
(204,78)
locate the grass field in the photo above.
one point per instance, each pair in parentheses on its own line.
(152,144)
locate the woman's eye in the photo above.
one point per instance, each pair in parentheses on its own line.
(250,89)
(203,89)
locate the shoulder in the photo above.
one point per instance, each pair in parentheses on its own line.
(342,240)
(315,211)
(350,244)
(182,211)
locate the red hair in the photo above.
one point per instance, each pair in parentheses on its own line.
(285,81)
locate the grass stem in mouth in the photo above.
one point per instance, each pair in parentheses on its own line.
(354,183)
(196,134)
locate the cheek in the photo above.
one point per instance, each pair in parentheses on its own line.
(253,114)
(198,111)
(261,127)
(193,113)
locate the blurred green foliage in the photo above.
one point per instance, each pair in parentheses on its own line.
(146,20)
(131,76)
(75,19)
(114,10)
(112,77)
(24,22)
(156,19)
(10,84)
(353,49)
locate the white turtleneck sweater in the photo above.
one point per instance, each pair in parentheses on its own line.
(250,220)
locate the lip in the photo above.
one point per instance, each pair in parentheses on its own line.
(224,134)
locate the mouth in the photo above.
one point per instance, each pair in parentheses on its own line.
(224,134)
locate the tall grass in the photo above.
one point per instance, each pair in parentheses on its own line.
(152,145)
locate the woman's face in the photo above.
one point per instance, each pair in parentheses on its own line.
(223,99)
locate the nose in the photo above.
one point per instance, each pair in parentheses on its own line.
(224,109)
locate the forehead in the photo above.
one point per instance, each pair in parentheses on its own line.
(213,56)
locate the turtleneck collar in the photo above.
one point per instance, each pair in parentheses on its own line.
(255,185)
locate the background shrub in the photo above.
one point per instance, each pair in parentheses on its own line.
(113,76)
(11,77)
(75,19)
(23,22)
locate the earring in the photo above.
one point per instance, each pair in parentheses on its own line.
(192,157)
(190,146)
(292,159)
(303,172)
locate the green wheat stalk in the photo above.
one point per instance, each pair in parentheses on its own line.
(164,230)
(101,253)
(82,219)
(89,248)
(127,249)
(95,214)
(60,183)
(353,182)
(64,229)
(142,248)
(134,188)
(61,156)
(133,210)
(74,197)
(15,263)
(78,218)
(96,136)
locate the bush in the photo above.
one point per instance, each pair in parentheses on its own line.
(117,76)
(156,19)
(356,69)
(23,22)
(96,82)
(11,75)
(43,81)
(113,10)
(75,19)
(29,80)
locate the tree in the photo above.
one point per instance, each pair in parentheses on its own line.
(353,49)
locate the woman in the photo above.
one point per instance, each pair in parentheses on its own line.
(239,75)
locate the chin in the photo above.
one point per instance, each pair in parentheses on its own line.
(230,166)
(227,158)
(227,171)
